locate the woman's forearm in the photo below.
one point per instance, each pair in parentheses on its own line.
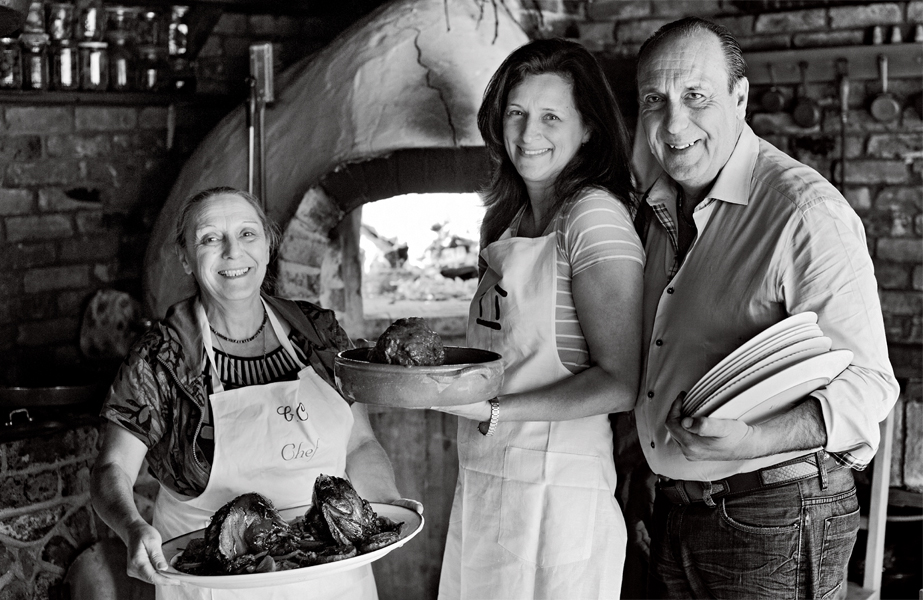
(113,499)
(591,392)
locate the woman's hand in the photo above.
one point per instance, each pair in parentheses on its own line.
(111,483)
(479,411)
(145,554)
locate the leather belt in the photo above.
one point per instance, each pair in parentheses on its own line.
(785,473)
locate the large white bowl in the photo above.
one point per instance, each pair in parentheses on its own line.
(173,549)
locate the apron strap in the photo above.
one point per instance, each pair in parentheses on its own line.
(207,340)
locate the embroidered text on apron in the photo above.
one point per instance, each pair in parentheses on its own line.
(534,514)
(273,439)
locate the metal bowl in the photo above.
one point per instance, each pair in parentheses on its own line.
(469,375)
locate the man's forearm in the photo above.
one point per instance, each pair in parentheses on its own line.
(801,428)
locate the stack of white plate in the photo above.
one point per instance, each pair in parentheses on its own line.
(769,373)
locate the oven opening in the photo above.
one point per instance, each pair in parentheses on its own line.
(419,259)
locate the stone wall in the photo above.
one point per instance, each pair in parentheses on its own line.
(45,518)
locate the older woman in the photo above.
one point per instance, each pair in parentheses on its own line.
(560,298)
(231,393)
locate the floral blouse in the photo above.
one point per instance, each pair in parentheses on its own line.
(160,393)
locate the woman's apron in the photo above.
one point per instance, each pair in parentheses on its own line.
(273,439)
(534,514)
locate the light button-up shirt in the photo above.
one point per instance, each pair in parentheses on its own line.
(775,239)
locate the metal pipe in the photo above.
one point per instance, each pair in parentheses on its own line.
(262,123)
(843,67)
(251,151)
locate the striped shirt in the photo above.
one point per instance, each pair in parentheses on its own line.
(594,228)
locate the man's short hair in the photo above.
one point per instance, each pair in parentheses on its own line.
(733,56)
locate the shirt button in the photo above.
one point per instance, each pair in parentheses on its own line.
(652,443)
(669,290)
(650,394)
(659,342)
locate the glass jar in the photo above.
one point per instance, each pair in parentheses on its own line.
(92,25)
(94,66)
(121,19)
(178,31)
(34,61)
(59,21)
(35,18)
(153,74)
(182,76)
(121,62)
(150,28)
(64,65)
(10,65)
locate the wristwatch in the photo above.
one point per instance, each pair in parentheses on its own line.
(494,419)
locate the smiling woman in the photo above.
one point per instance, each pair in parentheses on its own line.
(559,299)
(542,131)
(230,394)
(224,240)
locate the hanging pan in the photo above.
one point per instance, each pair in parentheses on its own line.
(806,112)
(773,100)
(61,395)
(885,107)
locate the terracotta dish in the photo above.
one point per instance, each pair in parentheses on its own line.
(469,375)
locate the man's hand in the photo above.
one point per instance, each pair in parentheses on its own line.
(701,438)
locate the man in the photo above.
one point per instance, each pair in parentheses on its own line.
(738,237)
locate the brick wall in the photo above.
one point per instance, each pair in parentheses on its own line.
(80,187)
(223,63)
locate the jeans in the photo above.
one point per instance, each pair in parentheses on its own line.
(791,542)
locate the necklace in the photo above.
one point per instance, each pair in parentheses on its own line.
(236,377)
(249,339)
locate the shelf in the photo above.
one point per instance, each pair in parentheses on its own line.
(108,98)
(904,60)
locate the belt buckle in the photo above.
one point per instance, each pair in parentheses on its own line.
(706,494)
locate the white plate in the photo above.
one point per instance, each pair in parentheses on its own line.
(779,392)
(765,368)
(717,377)
(805,318)
(172,549)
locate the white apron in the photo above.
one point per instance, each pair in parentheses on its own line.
(273,439)
(534,514)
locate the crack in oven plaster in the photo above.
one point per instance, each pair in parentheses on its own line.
(448,113)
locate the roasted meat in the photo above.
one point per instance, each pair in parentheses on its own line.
(409,342)
(239,537)
(248,535)
(340,515)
